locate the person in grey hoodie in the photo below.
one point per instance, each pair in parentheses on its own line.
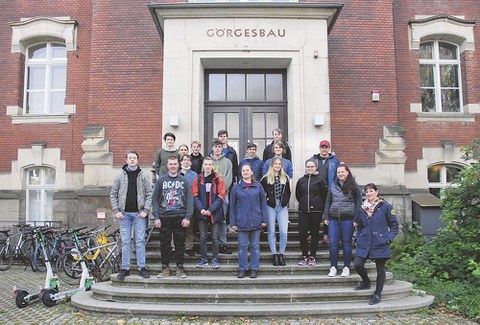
(172,210)
(131,199)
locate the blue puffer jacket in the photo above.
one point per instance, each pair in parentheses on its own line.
(248,207)
(376,233)
(332,162)
(257,166)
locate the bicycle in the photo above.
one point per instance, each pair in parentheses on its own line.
(17,246)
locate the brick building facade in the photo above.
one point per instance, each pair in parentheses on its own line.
(126,72)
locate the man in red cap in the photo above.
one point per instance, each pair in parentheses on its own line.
(327,165)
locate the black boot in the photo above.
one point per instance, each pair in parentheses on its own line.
(281,261)
(275,259)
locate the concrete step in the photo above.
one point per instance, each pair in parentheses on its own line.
(86,301)
(105,291)
(214,281)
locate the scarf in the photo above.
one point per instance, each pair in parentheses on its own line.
(369,207)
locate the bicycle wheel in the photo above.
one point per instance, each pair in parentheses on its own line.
(27,249)
(38,263)
(68,269)
(6,256)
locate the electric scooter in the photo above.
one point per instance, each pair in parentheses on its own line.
(22,297)
(51,296)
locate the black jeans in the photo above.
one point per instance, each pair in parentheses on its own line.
(359,264)
(203,228)
(172,225)
(309,222)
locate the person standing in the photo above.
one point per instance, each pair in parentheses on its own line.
(377,226)
(182,150)
(310,191)
(229,153)
(190,175)
(161,158)
(172,211)
(327,164)
(197,157)
(131,199)
(252,159)
(277,189)
(209,192)
(342,205)
(279,149)
(248,214)
(223,166)
(268,151)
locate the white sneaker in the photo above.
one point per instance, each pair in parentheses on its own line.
(333,271)
(345,272)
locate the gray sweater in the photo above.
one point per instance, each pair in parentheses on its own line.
(172,197)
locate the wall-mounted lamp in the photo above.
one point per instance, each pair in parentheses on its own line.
(375,95)
(318,120)
(315,54)
(174,121)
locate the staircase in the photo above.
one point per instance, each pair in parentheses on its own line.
(281,291)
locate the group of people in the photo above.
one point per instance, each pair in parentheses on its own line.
(217,191)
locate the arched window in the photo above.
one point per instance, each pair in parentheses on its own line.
(45,78)
(441,176)
(40,186)
(440,77)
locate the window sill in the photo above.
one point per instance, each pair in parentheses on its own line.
(17,116)
(445,117)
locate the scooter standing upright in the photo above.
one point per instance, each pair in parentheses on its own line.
(22,297)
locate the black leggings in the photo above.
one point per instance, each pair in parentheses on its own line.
(359,264)
(309,222)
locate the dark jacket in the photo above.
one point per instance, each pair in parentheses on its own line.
(332,162)
(231,155)
(217,196)
(257,166)
(248,207)
(197,162)
(310,191)
(375,234)
(340,206)
(270,193)
(268,152)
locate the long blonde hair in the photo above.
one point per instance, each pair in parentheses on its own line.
(271,172)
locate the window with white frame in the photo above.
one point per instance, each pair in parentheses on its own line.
(441,176)
(40,188)
(440,77)
(45,79)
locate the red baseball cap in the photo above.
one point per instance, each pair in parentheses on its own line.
(324,143)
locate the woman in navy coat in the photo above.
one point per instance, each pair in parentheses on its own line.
(377,226)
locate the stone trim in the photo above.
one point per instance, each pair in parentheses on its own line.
(452,29)
(31,30)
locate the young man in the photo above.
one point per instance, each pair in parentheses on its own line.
(327,165)
(268,151)
(190,175)
(209,192)
(223,166)
(131,199)
(229,153)
(197,157)
(252,159)
(163,153)
(172,210)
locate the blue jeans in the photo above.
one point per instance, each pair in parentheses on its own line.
(244,237)
(278,215)
(139,226)
(340,231)
(203,228)
(222,229)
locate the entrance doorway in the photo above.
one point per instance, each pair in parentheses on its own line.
(249,104)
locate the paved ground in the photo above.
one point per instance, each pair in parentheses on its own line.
(65,313)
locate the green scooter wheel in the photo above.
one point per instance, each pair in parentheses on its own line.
(47,297)
(20,299)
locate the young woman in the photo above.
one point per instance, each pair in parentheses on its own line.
(310,191)
(342,205)
(248,214)
(277,188)
(208,195)
(377,226)
(278,150)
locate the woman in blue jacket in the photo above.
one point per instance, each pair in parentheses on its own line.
(248,214)
(377,226)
